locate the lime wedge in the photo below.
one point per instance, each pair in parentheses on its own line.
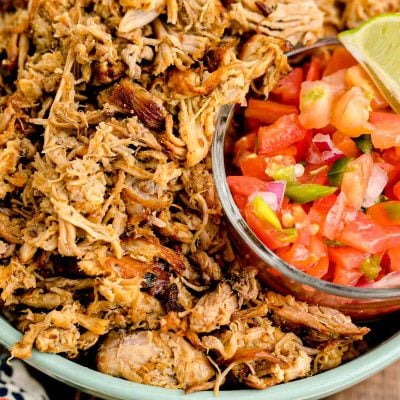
(376,46)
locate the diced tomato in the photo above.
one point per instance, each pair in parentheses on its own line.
(287,90)
(246,142)
(283,133)
(389,193)
(290,151)
(316,102)
(394,256)
(364,234)
(329,129)
(270,236)
(334,218)
(393,236)
(240,200)
(254,165)
(303,145)
(240,155)
(318,247)
(314,71)
(356,76)
(383,138)
(392,171)
(355,180)
(392,188)
(347,262)
(320,208)
(380,116)
(321,268)
(396,190)
(312,259)
(299,256)
(345,144)
(304,232)
(350,113)
(246,185)
(243,147)
(315,173)
(340,59)
(268,111)
(386,213)
(387,130)
(385,266)
(392,155)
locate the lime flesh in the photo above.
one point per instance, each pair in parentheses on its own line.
(376,46)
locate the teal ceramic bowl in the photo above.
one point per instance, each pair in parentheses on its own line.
(107,387)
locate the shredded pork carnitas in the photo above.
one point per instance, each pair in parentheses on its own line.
(111,231)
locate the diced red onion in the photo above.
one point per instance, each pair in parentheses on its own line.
(330,156)
(391,280)
(314,155)
(278,188)
(324,144)
(269,197)
(273,196)
(376,183)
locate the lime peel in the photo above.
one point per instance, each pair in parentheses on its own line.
(376,46)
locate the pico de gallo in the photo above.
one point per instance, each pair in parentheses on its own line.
(320,172)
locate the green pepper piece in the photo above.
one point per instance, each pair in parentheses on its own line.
(307,192)
(265,212)
(333,243)
(364,143)
(285,173)
(335,174)
(371,266)
(291,234)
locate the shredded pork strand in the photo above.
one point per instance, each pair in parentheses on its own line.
(111,230)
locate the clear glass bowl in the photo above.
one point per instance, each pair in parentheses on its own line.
(360,303)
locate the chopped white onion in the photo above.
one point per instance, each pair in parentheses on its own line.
(376,183)
(298,170)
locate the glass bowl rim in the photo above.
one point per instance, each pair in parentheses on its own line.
(233,215)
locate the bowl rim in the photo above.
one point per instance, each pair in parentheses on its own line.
(251,240)
(311,388)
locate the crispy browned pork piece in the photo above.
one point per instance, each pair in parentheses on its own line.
(248,345)
(111,230)
(160,359)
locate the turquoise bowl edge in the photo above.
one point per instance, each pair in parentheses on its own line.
(110,388)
